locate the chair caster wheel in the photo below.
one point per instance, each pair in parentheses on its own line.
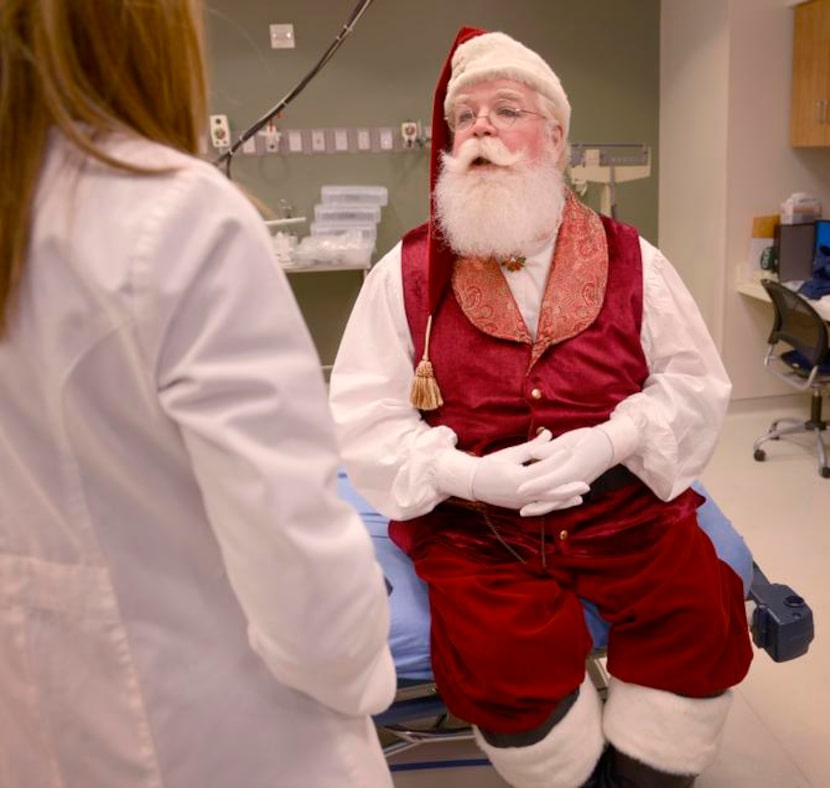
(825,472)
(760,455)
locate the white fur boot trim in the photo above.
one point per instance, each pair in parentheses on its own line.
(669,732)
(565,758)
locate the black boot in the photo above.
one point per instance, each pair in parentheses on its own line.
(622,771)
(601,776)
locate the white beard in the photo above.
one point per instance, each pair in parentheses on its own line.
(497,212)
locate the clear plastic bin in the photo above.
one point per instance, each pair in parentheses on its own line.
(345,212)
(349,249)
(368,232)
(360,195)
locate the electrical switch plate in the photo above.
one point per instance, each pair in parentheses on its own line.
(282,36)
(387,139)
(220,131)
(364,139)
(318,141)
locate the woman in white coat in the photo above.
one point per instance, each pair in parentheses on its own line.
(184,601)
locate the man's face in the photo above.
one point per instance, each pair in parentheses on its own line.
(489,103)
(500,190)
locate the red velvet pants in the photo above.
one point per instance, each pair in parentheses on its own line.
(509,639)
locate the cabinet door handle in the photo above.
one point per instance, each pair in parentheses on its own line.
(821,111)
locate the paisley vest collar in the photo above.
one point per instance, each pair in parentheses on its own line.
(573,295)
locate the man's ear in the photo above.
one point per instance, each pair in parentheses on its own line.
(557,138)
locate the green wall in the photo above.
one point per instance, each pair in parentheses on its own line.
(606,52)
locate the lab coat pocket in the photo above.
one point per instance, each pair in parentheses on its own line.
(74,714)
(26,754)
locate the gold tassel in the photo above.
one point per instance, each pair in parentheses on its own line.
(425,394)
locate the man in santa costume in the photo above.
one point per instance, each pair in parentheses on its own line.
(527,389)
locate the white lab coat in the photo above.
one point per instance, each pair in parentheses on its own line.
(168,502)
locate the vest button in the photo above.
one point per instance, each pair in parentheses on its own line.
(536,394)
(563,535)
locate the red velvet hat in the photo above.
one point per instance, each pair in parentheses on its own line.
(441,257)
(425,394)
(477,55)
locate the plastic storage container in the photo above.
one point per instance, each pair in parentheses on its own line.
(345,212)
(360,195)
(348,250)
(368,232)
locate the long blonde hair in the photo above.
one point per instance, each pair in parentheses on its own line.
(89,68)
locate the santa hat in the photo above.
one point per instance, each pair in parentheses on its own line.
(475,56)
(498,56)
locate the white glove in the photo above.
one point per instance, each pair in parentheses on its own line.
(577,456)
(498,476)
(494,478)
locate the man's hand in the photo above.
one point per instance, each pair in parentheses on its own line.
(571,461)
(499,476)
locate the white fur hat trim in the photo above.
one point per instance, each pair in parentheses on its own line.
(498,56)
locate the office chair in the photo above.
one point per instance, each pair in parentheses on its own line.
(806,366)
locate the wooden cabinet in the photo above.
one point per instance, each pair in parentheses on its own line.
(810,107)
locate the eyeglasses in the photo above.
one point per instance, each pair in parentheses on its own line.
(504,117)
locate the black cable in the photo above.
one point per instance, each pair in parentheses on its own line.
(347,28)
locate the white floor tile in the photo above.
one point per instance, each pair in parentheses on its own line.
(782,507)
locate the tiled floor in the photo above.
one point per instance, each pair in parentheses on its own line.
(777,735)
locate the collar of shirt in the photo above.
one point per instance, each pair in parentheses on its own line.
(528,284)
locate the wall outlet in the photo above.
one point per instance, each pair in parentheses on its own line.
(387,139)
(220,131)
(318,141)
(295,141)
(341,140)
(271,137)
(282,36)
(409,133)
(364,139)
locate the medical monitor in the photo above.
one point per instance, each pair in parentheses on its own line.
(796,246)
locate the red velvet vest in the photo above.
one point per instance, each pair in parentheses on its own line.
(500,387)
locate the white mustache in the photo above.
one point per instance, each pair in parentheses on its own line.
(488,148)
